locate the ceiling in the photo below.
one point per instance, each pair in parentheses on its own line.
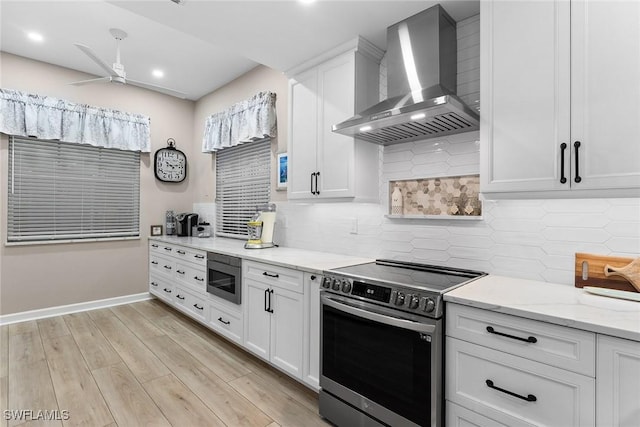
(201,44)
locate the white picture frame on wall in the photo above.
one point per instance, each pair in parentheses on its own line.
(283,171)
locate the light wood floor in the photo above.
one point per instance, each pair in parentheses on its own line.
(140,364)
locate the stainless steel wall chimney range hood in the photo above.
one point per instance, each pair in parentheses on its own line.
(421,85)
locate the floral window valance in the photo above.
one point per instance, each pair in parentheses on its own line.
(250,120)
(44,117)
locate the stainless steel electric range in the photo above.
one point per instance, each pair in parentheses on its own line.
(381,360)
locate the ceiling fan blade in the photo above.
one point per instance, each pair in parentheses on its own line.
(91,54)
(86,82)
(162,89)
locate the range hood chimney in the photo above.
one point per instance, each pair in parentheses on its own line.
(421,85)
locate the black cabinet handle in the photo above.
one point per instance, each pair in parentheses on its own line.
(270,310)
(179,296)
(199,279)
(154,246)
(531,340)
(576,145)
(154,262)
(154,284)
(317,191)
(270,275)
(313,277)
(311,185)
(222,321)
(167,290)
(167,249)
(266,307)
(167,267)
(198,307)
(563,179)
(528,398)
(179,271)
(199,256)
(181,252)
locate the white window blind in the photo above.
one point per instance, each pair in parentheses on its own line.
(62,191)
(243,181)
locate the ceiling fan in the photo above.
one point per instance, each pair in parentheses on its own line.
(116,73)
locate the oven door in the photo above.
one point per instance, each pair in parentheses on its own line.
(223,280)
(385,363)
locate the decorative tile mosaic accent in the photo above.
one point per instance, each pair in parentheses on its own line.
(444,196)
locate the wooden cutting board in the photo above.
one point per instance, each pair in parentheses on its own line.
(595,272)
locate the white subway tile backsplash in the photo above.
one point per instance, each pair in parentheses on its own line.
(576,234)
(624,244)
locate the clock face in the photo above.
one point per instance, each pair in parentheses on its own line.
(170,165)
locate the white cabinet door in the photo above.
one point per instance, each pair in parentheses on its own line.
(257,322)
(605,93)
(303,118)
(618,382)
(525,59)
(286,331)
(311,364)
(336,88)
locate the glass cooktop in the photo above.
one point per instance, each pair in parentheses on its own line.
(424,276)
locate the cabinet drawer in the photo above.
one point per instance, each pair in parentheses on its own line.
(192,255)
(162,265)
(161,288)
(225,322)
(155,247)
(497,385)
(192,277)
(457,416)
(555,345)
(273,275)
(193,304)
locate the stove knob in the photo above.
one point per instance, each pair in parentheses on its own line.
(414,301)
(335,285)
(429,305)
(326,282)
(400,299)
(346,286)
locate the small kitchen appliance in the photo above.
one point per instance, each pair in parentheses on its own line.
(260,228)
(381,342)
(201,230)
(185,223)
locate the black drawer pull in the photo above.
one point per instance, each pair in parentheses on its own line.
(167,249)
(563,179)
(179,296)
(531,340)
(270,275)
(154,284)
(198,307)
(199,279)
(154,246)
(528,398)
(167,290)
(199,256)
(154,262)
(222,321)
(168,267)
(179,271)
(312,190)
(576,145)
(181,252)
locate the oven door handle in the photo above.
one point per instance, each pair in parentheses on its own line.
(380,318)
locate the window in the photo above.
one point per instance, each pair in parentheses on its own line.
(243,181)
(61,191)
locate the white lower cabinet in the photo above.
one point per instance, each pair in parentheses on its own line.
(193,304)
(517,372)
(459,416)
(226,321)
(311,354)
(618,382)
(273,317)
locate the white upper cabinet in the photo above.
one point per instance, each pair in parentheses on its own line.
(324,164)
(560,96)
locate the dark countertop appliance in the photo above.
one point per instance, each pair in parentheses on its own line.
(381,343)
(185,222)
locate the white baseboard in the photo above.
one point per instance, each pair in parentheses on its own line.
(72,308)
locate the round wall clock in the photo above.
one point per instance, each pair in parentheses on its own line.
(170,163)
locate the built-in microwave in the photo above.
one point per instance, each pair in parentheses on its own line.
(224,276)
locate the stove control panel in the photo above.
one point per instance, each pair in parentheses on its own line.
(401,298)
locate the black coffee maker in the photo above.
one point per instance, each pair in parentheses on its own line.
(185,222)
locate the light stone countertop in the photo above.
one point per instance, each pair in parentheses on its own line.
(298,259)
(560,304)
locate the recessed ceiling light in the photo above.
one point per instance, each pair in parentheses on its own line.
(307,1)
(158,73)
(365,128)
(36,37)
